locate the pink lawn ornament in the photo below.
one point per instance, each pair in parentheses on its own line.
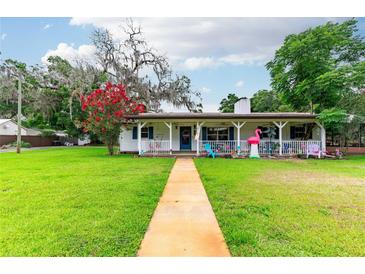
(254,141)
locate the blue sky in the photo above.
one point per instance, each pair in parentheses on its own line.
(220,55)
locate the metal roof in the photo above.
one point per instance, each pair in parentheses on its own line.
(218,115)
(4,121)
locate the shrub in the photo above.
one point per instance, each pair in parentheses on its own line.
(22,144)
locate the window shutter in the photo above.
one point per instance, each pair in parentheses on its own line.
(134,133)
(231,133)
(204,133)
(292,132)
(150,133)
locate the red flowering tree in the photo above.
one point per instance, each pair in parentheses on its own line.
(106,108)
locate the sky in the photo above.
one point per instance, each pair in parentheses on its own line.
(219,55)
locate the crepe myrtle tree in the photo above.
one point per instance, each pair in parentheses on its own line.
(106,109)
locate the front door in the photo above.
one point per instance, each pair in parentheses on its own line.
(185,138)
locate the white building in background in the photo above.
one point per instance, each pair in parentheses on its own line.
(9,127)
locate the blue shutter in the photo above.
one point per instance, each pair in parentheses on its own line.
(134,133)
(150,133)
(292,132)
(231,133)
(204,133)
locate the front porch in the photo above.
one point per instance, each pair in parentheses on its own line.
(225,137)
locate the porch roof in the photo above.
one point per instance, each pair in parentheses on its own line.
(224,116)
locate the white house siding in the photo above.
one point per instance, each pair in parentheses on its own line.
(126,143)
(10,128)
(161,132)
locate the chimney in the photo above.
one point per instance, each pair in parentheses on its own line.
(242,106)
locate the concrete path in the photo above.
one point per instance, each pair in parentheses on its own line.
(184,223)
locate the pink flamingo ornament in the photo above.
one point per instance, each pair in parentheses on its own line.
(254,141)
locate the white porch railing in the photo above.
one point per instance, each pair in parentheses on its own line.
(266,147)
(155,147)
(294,147)
(220,147)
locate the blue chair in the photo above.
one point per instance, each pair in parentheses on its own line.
(209,149)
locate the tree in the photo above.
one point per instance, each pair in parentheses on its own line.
(50,94)
(314,69)
(145,73)
(106,108)
(227,104)
(342,124)
(267,101)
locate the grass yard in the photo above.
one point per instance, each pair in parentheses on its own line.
(288,207)
(77,202)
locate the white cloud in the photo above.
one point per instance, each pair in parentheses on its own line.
(194,63)
(3,36)
(239,84)
(47,26)
(196,43)
(205,90)
(68,52)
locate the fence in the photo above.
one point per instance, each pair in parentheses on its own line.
(35,141)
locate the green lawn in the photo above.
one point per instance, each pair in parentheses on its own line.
(288,207)
(77,202)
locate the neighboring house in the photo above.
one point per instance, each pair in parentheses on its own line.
(9,127)
(176,132)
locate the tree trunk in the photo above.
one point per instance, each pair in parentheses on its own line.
(308,131)
(110,145)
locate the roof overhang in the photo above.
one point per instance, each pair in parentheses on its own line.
(185,117)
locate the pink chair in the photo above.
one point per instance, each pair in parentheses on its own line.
(313,149)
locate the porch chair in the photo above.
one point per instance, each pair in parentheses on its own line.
(313,149)
(209,150)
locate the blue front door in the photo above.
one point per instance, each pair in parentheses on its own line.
(185,138)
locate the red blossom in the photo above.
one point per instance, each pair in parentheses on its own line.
(108,86)
(106,108)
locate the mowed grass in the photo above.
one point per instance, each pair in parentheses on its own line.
(288,207)
(77,202)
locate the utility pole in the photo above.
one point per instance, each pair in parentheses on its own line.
(19,137)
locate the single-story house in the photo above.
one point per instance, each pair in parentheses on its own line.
(9,127)
(227,133)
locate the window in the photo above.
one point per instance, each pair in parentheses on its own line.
(265,132)
(144,132)
(217,133)
(299,132)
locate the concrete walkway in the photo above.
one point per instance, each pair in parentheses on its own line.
(184,223)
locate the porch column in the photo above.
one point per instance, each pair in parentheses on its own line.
(169,125)
(323,136)
(197,136)
(238,126)
(280,125)
(139,129)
